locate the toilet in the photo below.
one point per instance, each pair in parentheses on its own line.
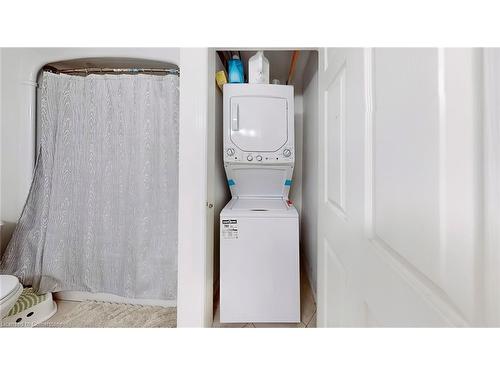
(23,307)
(10,290)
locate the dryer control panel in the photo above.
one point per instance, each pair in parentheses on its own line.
(285,155)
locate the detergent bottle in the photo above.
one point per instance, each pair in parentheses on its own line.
(258,68)
(235,69)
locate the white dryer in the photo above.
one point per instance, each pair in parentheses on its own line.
(259,235)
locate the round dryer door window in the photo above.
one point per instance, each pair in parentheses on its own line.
(259,123)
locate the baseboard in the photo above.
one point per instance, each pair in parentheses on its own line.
(107,297)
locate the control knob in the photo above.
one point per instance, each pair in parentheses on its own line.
(287,153)
(249,157)
(230,152)
(259,158)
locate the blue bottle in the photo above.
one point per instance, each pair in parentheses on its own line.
(235,69)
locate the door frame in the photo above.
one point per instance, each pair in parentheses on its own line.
(195,256)
(491,185)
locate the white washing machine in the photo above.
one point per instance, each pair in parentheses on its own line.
(259,235)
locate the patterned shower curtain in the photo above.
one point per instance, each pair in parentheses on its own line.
(101,214)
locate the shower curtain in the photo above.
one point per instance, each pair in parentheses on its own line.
(101,214)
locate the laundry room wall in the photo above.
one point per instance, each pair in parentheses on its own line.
(309,215)
(222,195)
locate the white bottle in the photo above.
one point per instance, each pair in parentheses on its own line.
(258,68)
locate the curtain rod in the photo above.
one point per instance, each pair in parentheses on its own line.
(112,70)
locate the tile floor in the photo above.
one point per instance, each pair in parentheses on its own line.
(307,312)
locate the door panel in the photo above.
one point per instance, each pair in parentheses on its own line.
(336,278)
(399,188)
(335,150)
(406,192)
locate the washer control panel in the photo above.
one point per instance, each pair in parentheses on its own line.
(286,154)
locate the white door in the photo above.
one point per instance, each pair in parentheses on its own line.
(399,191)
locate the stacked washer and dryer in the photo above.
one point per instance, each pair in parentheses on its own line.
(259,227)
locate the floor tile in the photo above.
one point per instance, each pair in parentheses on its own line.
(217,324)
(312,323)
(279,325)
(307,304)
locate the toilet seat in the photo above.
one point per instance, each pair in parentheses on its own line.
(10,290)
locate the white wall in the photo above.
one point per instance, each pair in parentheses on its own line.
(309,215)
(5,232)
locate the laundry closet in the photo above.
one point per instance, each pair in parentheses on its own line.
(273,173)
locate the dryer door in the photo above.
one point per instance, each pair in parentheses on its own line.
(258,123)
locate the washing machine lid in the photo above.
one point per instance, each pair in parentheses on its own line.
(260,204)
(258,207)
(8,284)
(267,181)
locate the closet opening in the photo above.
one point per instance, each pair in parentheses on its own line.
(298,68)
